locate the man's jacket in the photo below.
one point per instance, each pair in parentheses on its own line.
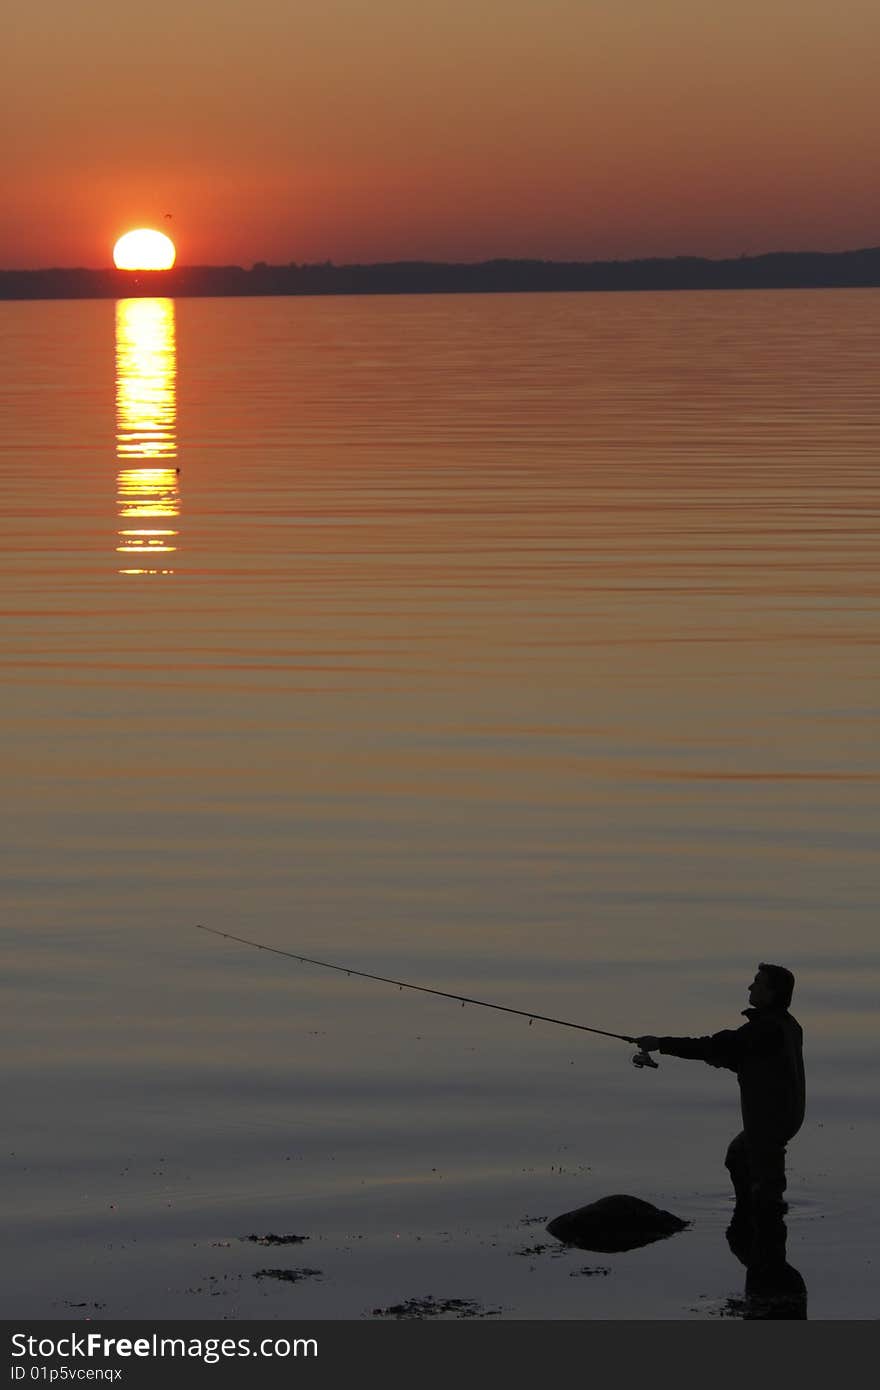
(767,1055)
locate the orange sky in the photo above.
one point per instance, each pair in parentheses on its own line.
(297,130)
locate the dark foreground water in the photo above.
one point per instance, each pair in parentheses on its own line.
(525,647)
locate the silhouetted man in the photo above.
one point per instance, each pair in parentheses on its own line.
(766,1055)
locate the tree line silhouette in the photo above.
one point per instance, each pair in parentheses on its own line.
(776,270)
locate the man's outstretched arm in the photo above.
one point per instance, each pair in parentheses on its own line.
(724,1049)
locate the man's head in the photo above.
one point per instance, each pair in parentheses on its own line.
(772,986)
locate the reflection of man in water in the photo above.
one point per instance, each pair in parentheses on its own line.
(766,1055)
(774,1288)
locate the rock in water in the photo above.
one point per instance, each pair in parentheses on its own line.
(615,1223)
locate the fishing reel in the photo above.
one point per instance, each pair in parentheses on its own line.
(644,1059)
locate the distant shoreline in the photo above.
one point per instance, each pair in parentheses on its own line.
(773,271)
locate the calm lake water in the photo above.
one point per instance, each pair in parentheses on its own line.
(525,647)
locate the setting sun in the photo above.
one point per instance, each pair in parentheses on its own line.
(144,249)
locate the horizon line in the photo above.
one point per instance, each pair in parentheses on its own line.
(421,261)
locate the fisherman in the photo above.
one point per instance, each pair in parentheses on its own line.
(766,1054)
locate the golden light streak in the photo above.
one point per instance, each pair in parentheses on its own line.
(146,415)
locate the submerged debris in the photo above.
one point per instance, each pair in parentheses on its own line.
(588,1271)
(615,1223)
(289,1276)
(430,1307)
(273,1239)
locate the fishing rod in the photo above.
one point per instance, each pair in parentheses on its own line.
(641,1059)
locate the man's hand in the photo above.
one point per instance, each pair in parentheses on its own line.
(648,1043)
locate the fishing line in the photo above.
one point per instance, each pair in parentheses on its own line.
(641,1059)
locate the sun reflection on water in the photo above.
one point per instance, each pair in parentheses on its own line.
(147,492)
